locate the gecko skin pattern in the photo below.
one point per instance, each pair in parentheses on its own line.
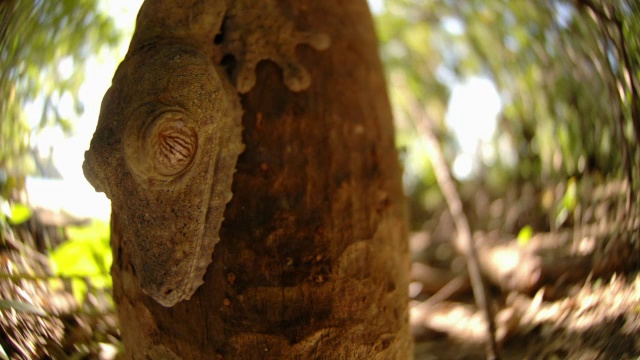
(170,129)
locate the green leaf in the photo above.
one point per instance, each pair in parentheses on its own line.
(562,216)
(87,255)
(75,258)
(525,235)
(97,230)
(79,289)
(570,199)
(19,214)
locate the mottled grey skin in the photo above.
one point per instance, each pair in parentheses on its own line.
(170,219)
(170,130)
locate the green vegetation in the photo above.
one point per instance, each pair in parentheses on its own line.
(85,257)
(567,73)
(43,48)
(549,205)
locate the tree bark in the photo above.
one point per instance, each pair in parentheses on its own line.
(313,260)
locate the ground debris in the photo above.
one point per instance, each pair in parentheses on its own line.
(572,292)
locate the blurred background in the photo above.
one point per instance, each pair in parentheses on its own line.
(534,107)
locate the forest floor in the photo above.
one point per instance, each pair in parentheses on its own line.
(598,320)
(572,292)
(567,291)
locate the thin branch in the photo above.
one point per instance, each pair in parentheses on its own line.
(28,277)
(447,186)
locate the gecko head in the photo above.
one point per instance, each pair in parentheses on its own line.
(168,239)
(149,118)
(164,152)
(170,244)
(169,288)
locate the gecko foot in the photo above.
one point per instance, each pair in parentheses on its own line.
(255,34)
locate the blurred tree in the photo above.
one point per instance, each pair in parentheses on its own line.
(43,48)
(567,73)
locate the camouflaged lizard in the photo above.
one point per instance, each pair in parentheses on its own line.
(170,129)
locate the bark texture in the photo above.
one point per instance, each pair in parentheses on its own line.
(313,260)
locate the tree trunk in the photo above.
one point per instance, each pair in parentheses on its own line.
(313,260)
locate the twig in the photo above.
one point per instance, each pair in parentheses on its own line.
(27,277)
(448,290)
(443,176)
(28,252)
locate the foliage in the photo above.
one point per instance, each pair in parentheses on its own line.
(12,214)
(17,213)
(567,74)
(85,255)
(524,235)
(43,47)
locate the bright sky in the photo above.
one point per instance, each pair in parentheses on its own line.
(472,115)
(74,194)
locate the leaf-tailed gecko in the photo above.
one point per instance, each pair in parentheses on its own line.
(170,129)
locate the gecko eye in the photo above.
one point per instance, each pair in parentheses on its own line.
(171,144)
(162,148)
